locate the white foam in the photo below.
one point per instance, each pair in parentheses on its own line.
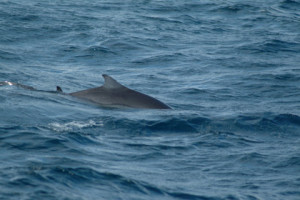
(9,83)
(6,83)
(70,126)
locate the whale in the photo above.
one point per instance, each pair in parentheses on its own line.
(110,94)
(114,94)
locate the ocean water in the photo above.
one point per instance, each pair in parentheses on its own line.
(229,69)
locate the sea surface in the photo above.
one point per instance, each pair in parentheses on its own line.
(229,69)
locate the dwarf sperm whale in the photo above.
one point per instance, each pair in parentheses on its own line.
(114,94)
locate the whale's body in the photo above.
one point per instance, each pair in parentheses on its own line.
(113,94)
(110,94)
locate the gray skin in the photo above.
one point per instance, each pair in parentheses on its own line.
(113,94)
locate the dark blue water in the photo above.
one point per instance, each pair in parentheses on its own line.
(229,69)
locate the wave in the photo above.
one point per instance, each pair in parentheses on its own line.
(152,59)
(230,8)
(290,4)
(74,125)
(120,45)
(287,119)
(276,45)
(96,51)
(271,46)
(109,184)
(264,123)
(9,56)
(281,124)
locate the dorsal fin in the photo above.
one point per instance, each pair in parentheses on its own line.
(110,83)
(58,89)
